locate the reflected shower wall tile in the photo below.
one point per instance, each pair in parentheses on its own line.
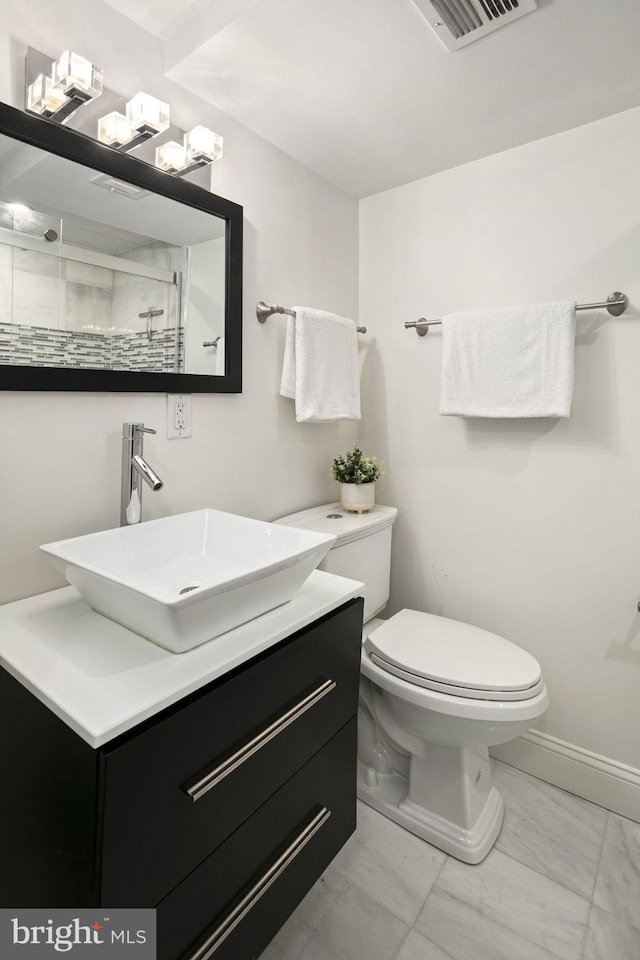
(618,881)
(36,299)
(87,308)
(502,910)
(135,351)
(557,834)
(87,350)
(610,938)
(159,255)
(5,342)
(135,295)
(6,284)
(34,223)
(42,347)
(30,261)
(89,275)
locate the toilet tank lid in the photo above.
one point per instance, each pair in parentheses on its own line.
(331,518)
(452,652)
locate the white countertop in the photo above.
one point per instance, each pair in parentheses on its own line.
(102,679)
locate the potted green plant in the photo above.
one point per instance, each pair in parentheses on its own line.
(357,475)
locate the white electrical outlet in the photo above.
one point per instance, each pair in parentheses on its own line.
(178,416)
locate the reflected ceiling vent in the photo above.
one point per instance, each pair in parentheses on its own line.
(119,186)
(459,22)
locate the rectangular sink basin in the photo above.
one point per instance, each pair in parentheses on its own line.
(184,580)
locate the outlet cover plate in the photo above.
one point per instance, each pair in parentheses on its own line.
(178,416)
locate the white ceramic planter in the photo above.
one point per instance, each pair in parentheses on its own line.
(358,497)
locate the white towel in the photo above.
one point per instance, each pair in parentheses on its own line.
(509,361)
(320,370)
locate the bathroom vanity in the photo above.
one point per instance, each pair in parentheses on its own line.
(215,785)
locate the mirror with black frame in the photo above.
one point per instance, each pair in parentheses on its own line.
(114,275)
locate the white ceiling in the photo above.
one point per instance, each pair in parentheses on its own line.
(159,17)
(362,92)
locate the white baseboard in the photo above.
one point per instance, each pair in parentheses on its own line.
(606,782)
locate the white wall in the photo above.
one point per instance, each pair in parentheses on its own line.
(528,528)
(60,453)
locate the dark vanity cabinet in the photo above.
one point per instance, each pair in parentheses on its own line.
(221,811)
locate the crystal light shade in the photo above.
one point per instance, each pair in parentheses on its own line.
(202,144)
(171,157)
(146,113)
(114,129)
(73,74)
(43,98)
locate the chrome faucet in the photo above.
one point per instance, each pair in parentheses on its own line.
(134,471)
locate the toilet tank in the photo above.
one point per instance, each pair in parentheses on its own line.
(362,550)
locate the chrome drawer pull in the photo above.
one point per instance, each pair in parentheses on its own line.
(197,790)
(231,921)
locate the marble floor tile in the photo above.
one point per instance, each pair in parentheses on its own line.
(610,938)
(557,834)
(290,941)
(618,881)
(338,921)
(502,910)
(389,863)
(417,947)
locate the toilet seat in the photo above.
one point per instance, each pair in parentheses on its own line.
(453,658)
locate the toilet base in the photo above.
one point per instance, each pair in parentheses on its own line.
(389,795)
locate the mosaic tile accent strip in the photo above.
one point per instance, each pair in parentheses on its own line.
(23,345)
(135,351)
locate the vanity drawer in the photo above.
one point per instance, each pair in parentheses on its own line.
(174,792)
(233,904)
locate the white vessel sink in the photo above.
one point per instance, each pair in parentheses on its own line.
(183,580)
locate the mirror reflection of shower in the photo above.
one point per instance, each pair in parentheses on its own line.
(74,295)
(149,315)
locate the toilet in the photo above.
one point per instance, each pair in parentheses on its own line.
(435,694)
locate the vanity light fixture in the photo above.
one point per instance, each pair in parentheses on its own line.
(115,130)
(203,145)
(171,157)
(74,81)
(146,117)
(200,146)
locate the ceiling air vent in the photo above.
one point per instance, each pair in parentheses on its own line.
(119,186)
(458,22)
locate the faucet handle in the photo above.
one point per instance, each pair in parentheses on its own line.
(134,430)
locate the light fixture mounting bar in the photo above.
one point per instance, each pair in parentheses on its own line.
(76,99)
(141,136)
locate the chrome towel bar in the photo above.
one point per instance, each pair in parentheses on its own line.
(264,311)
(615,304)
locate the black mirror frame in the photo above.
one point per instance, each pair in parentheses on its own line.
(65,142)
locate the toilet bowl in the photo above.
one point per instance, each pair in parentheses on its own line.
(435,694)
